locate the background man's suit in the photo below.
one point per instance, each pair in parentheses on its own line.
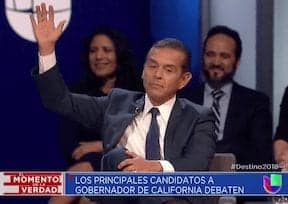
(189,139)
(248,125)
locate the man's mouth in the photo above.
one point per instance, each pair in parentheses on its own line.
(216,68)
(156,85)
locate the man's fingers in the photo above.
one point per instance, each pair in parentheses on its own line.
(129,168)
(74,154)
(125,163)
(38,13)
(77,153)
(131,154)
(33,21)
(60,26)
(51,13)
(43,10)
(41,13)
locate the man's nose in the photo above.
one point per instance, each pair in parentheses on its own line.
(158,73)
(217,60)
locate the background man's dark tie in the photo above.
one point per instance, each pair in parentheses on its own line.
(217,94)
(152,147)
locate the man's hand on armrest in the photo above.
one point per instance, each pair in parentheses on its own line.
(137,163)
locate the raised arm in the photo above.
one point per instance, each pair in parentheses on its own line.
(44,29)
(54,93)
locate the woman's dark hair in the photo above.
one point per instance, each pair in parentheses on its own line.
(126,77)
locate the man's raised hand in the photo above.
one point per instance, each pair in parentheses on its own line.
(44,29)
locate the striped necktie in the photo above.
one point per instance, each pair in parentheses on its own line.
(152,147)
(217,94)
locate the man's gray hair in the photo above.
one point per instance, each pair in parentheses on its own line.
(173,43)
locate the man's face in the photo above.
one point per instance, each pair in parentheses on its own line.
(162,74)
(219,59)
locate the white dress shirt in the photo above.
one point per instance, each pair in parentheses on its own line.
(46,62)
(134,137)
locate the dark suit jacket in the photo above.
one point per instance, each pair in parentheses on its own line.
(248,126)
(282,129)
(189,139)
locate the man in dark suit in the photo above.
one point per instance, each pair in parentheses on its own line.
(243,117)
(185,131)
(245,121)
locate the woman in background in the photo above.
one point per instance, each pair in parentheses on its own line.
(109,63)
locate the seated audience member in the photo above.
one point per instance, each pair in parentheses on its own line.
(244,121)
(108,63)
(281,136)
(243,117)
(160,132)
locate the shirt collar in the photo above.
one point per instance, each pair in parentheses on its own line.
(227,88)
(164,109)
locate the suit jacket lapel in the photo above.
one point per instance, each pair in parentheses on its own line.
(233,111)
(126,119)
(171,132)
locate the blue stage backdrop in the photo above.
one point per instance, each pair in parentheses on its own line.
(178,19)
(28,131)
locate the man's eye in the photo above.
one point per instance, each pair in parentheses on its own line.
(152,65)
(225,56)
(210,54)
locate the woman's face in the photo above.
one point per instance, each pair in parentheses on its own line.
(102,56)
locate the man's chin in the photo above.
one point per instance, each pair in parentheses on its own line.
(154,94)
(217,80)
(155,97)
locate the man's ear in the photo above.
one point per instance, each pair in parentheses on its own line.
(186,77)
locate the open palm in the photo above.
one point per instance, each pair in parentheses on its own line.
(44,29)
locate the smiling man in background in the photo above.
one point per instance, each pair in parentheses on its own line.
(243,117)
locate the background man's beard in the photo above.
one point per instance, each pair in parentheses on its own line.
(219,80)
